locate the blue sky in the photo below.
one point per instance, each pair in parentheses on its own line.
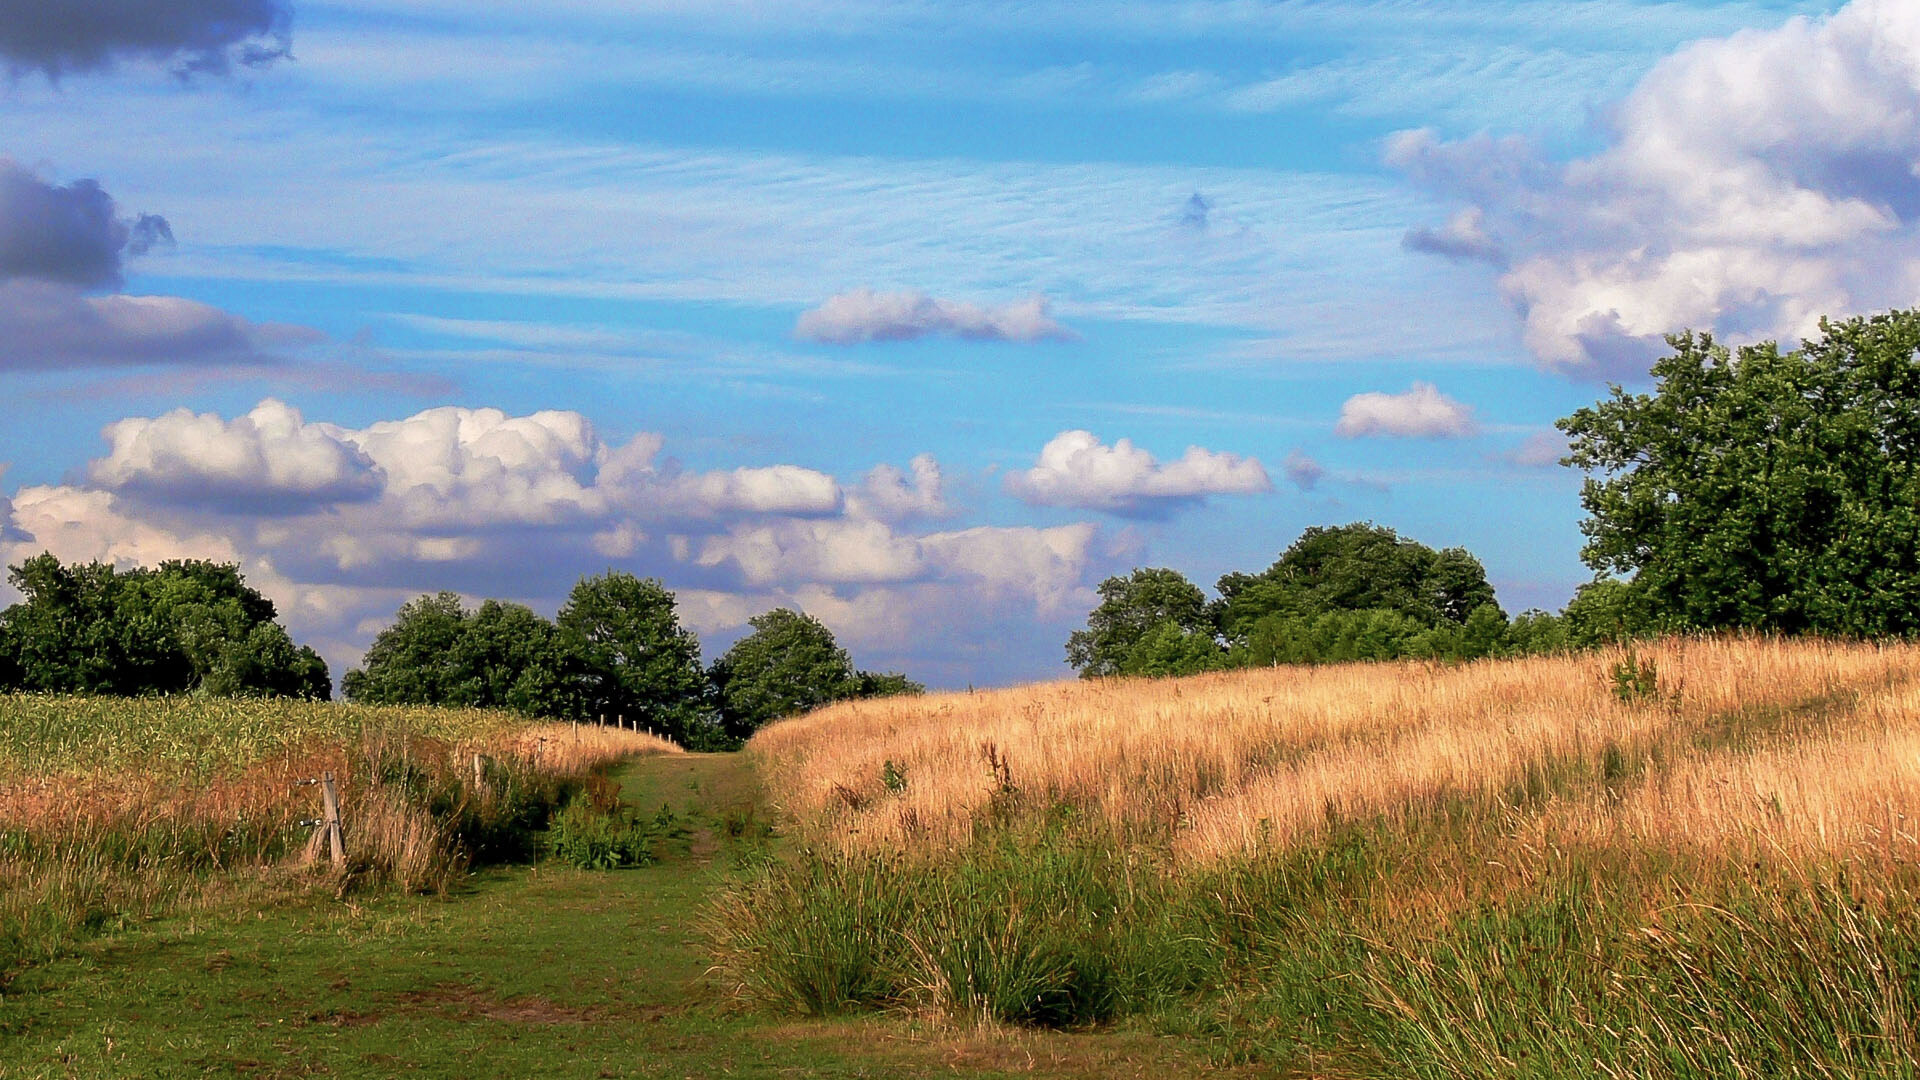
(924,317)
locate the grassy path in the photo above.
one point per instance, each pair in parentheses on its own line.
(526,972)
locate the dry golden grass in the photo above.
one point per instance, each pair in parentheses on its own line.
(130,806)
(1224,764)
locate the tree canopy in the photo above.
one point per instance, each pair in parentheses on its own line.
(1152,607)
(617,649)
(1347,592)
(788,665)
(184,626)
(1762,489)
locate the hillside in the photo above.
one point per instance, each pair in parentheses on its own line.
(1697,859)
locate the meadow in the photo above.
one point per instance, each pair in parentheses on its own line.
(1696,857)
(114,811)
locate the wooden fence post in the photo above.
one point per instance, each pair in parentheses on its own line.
(330,805)
(479,772)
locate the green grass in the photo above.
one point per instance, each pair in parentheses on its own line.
(190,737)
(522,971)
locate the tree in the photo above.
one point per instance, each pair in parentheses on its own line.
(789,664)
(412,662)
(1763,490)
(1130,609)
(1350,568)
(186,625)
(635,659)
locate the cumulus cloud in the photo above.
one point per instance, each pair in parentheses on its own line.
(194,36)
(1421,412)
(84,525)
(1077,469)
(340,524)
(1750,185)
(864,315)
(1303,471)
(455,466)
(889,494)
(268,461)
(72,233)
(834,552)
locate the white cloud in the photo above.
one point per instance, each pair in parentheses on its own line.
(887,494)
(796,551)
(1421,412)
(863,315)
(81,525)
(339,525)
(270,458)
(1077,469)
(1752,184)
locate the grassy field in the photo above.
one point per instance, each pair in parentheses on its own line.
(112,811)
(1696,859)
(531,970)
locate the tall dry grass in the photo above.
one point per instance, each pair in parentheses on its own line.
(1228,762)
(1539,867)
(114,809)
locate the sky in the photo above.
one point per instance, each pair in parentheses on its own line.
(921,317)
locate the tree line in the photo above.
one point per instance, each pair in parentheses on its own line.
(616,650)
(186,625)
(1339,593)
(1752,489)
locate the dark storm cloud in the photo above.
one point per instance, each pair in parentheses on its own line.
(59,37)
(70,233)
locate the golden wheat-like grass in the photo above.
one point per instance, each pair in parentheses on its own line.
(1227,763)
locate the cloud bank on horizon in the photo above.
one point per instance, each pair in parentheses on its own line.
(822,305)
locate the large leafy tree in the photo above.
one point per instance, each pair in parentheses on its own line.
(1762,489)
(412,662)
(501,656)
(635,659)
(1351,568)
(1152,607)
(186,625)
(789,664)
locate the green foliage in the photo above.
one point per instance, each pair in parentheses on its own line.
(185,626)
(1763,490)
(1350,568)
(788,665)
(1352,592)
(634,658)
(1149,603)
(1635,679)
(597,838)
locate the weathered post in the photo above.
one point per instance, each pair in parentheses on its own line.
(330,807)
(479,772)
